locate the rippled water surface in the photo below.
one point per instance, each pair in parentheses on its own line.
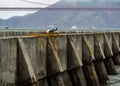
(114,80)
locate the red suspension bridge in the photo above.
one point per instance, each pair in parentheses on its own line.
(35,2)
(55,8)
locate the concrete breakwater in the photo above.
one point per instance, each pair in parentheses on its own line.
(58,59)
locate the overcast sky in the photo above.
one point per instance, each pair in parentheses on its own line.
(21,3)
(27,3)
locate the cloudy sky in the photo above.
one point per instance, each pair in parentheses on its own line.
(22,3)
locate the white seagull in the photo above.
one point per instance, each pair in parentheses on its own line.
(51,30)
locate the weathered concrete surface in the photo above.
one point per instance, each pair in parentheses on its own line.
(57,60)
(99,47)
(115,43)
(57,54)
(108,45)
(88,48)
(74,54)
(116,48)
(8,61)
(36,49)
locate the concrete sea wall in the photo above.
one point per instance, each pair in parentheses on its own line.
(58,59)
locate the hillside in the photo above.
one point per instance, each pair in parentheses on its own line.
(67,19)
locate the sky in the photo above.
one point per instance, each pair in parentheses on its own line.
(26,3)
(22,3)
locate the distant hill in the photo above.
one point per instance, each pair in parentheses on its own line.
(67,19)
